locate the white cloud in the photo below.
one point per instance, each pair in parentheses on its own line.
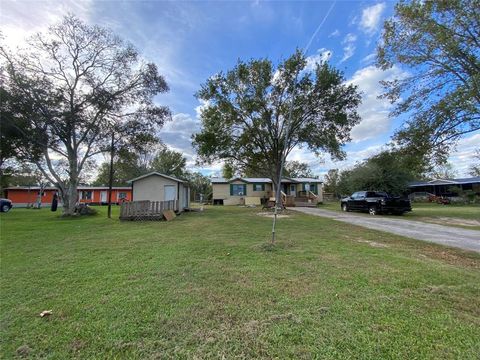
(371,17)
(177,134)
(334,33)
(369,58)
(349,46)
(320,166)
(323,55)
(373,111)
(349,38)
(21,19)
(203,105)
(463,156)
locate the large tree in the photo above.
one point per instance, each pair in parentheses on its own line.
(130,162)
(386,171)
(296,168)
(438,43)
(292,168)
(199,185)
(71,88)
(331,182)
(126,166)
(169,162)
(246,112)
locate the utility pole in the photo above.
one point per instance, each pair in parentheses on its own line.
(110,179)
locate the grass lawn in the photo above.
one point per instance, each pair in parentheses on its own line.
(465,216)
(205,286)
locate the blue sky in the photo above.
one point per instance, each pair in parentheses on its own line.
(190,41)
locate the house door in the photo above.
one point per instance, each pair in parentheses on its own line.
(293,189)
(169,192)
(103,196)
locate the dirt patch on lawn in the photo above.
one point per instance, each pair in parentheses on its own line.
(373,243)
(451,256)
(451,221)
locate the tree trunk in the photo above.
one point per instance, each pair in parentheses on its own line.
(277,185)
(70,192)
(110,176)
(39,198)
(69,198)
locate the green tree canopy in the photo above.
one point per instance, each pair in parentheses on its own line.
(331,182)
(386,171)
(438,43)
(244,121)
(298,169)
(169,162)
(131,161)
(199,184)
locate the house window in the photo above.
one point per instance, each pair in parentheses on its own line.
(86,195)
(238,189)
(310,187)
(122,195)
(258,187)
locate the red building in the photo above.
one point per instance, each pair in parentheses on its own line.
(22,196)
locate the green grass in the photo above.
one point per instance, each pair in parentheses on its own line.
(206,286)
(465,216)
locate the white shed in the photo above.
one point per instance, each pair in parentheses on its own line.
(160,187)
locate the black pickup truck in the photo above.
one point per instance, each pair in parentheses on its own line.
(376,202)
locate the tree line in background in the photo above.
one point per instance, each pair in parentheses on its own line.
(130,164)
(292,169)
(390,170)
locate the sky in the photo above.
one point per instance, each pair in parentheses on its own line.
(191,41)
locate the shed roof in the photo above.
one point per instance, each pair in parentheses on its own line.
(157,174)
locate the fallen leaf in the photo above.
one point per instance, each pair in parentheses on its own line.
(45,313)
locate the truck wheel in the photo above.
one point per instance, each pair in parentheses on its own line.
(344,207)
(372,210)
(5,208)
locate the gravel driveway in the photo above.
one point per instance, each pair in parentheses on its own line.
(440,234)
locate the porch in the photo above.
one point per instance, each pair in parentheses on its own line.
(302,198)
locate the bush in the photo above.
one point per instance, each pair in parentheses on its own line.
(84,209)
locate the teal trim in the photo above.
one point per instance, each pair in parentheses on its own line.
(303,187)
(231,189)
(263,187)
(245,190)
